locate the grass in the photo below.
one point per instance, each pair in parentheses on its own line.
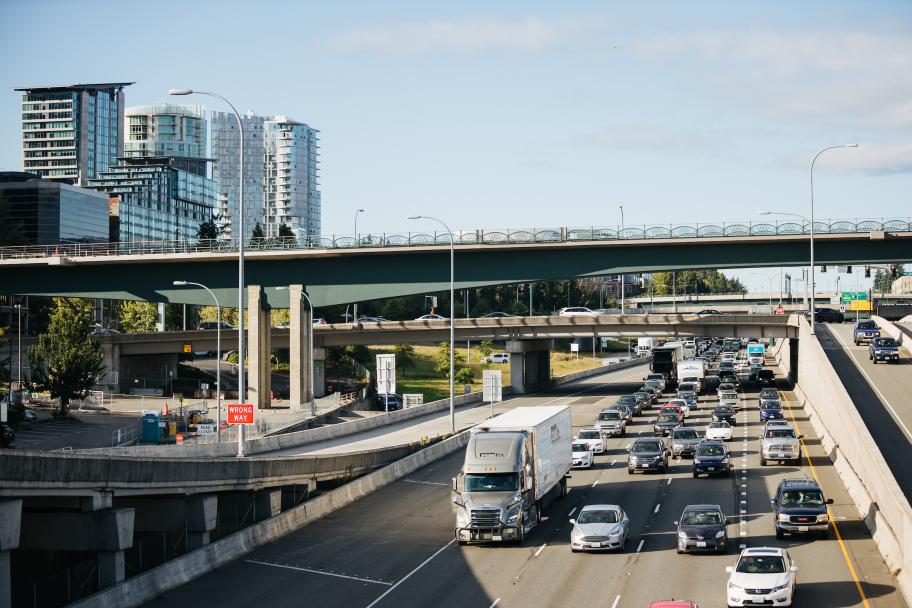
(421,377)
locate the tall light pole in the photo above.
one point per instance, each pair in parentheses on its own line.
(622,276)
(812,221)
(452,317)
(770,280)
(218,356)
(19,354)
(242,384)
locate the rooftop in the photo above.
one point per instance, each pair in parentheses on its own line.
(70,87)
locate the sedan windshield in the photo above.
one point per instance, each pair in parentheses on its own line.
(491,482)
(598,517)
(701,518)
(580,447)
(610,416)
(627,400)
(801,498)
(761,564)
(780,433)
(719,425)
(590,435)
(685,434)
(710,450)
(772,405)
(668,418)
(646,447)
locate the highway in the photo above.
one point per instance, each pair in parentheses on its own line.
(395,547)
(882,393)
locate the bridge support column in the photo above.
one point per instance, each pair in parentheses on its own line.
(111,362)
(530,364)
(197,515)
(300,368)
(319,372)
(259,351)
(267,503)
(10,521)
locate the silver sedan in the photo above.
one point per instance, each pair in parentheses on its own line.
(599,528)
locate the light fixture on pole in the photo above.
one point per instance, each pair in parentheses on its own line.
(357,241)
(218,356)
(452,317)
(242,384)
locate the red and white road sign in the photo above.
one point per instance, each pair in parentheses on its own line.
(240,413)
(780,310)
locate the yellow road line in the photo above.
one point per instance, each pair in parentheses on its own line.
(845,553)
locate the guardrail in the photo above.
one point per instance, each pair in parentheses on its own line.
(468,237)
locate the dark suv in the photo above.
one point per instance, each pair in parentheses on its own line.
(799,507)
(647,455)
(865,331)
(883,349)
(828,315)
(702,528)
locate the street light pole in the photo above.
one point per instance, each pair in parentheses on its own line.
(218,357)
(242,384)
(19,353)
(452,317)
(622,276)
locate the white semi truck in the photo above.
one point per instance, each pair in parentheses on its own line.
(515,465)
(690,369)
(645,346)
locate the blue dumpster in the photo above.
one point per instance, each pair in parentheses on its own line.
(151,433)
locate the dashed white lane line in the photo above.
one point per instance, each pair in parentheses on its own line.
(595,483)
(572,511)
(617,601)
(497,601)
(640,546)
(354,578)
(407,576)
(668,483)
(540,549)
(658,506)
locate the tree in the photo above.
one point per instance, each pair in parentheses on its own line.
(883,281)
(285,231)
(258,232)
(138,317)
(485,347)
(67,360)
(442,361)
(465,375)
(405,356)
(209,229)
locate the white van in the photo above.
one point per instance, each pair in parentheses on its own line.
(497,358)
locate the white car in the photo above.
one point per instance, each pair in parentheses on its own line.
(575,311)
(430,317)
(599,527)
(582,455)
(730,398)
(681,403)
(720,430)
(763,575)
(594,438)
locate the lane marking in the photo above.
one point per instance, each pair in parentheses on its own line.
(406,577)
(640,546)
(873,385)
(658,506)
(572,511)
(595,483)
(540,549)
(354,578)
(668,483)
(497,601)
(617,601)
(430,483)
(845,553)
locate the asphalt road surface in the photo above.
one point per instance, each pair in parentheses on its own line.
(882,394)
(77,432)
(395,547)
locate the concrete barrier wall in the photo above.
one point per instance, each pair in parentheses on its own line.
(595,371)
(856,457)
(889,329)
(149,585)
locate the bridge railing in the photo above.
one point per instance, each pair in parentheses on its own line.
(478,236)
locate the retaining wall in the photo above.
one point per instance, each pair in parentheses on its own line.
(889,329)
(149,585)
(855,455)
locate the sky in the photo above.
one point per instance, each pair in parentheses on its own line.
(523,114)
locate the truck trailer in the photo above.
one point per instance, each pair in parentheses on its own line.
(665,361)
(515,465)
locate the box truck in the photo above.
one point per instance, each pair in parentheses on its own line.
(665,361)
(693,370)
(515,465)
(755,353)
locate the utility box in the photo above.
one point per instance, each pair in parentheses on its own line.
(151,433)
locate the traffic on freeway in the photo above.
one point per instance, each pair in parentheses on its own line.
(777,525)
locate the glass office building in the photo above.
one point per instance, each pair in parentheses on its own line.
(153,198)
(164,130)
(281,165)
(47,212)
(70,133)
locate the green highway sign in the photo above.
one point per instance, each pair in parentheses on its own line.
(849,296)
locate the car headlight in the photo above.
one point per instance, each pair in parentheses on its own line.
(462,518)
(779,588)
(682,535)
(615,531)
(513,513)
(734,587)
(720,534)
(633,460)
(781,517)
(823,518)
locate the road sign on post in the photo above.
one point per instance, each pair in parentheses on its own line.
(779,310)
(492,387)
(386,377)
(205,429)
(188,347)
(240,413)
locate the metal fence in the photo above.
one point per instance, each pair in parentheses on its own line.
(469,237)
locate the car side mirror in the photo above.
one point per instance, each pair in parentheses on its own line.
(728,569)
(573,521)
(454,484)
(829,501)
(793,569)
(772,501)
(676,523)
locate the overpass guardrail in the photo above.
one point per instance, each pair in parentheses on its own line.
(468,237)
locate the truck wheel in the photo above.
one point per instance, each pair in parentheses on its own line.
(563,487)
(874,361)
(762,462)
(779,534)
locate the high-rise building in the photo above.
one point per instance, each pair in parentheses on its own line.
(71,133)
(165,130)
(280,174)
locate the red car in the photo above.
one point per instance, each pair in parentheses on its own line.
(672,409)
(673,604)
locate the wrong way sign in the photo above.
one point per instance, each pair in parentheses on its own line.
(240,413)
